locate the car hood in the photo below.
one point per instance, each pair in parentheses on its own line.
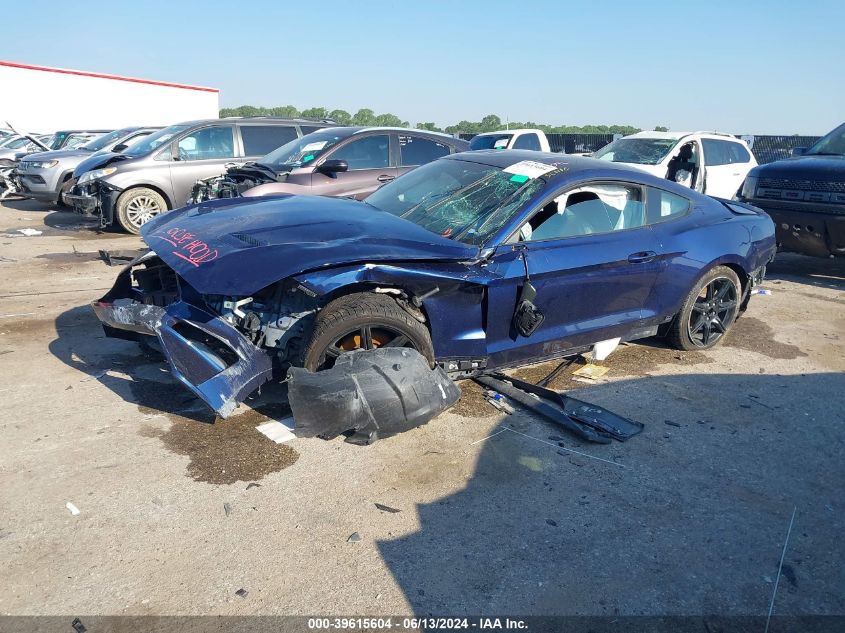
(58,154)
(96,161)
(232,247)
(804,168)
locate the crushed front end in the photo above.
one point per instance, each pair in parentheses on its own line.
(221,348)
(232,184)
(96,198)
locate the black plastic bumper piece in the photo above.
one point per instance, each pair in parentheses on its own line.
(372,394)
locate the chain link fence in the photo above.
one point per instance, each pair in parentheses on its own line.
(766,148)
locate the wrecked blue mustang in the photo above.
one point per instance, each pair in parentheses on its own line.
(478,261)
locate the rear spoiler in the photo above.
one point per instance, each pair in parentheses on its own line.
(739,208)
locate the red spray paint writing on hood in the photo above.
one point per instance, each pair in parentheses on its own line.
(189,248)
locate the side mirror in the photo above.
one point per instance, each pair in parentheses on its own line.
(119,148)
(798,151)
(333,167)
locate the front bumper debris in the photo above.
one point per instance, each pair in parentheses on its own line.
(372,394)
(207,354)
(93,199)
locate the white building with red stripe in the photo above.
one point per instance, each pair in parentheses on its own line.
(44,99)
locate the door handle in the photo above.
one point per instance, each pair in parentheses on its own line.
(643,257)
(385,178)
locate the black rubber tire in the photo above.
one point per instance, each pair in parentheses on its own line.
(67,185)
(678,335)
(122,208)
(354,311)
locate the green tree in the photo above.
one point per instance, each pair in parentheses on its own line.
(490,123)
(288,111)
(364,116)
(341,116)
(661,128)
(389,120)
(431,127)
(315,113)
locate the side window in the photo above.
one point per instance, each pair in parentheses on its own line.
(664,206)
(370,152)
(207,143)
(307,129)
(714,153)
(738,152)
(590,209)
(527,141)
(416,150)
(262,139)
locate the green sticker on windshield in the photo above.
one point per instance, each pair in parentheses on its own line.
(310,157)
(519,178)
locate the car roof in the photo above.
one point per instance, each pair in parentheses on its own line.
(679,135)
(506,157)
(520,130)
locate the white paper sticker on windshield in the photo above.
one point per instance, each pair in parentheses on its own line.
(313,147)
(529,168)
(500,143)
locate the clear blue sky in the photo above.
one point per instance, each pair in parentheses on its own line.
(741,66)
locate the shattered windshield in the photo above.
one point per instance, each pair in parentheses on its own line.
(642,151)
(301,151)
(490,141)
(153,141)
(832,144)
(461,200)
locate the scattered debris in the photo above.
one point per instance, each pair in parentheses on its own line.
(277,430)
(354,538)
(761,291)
(587,421)
(591,371)
(603,349)
(385,508)
(121,257)
(30,232)
(552,523)
(73,509)
(78,626)
(670,423)
(252,484)
(227,508)
(369,394)
(547,380)
(242,592)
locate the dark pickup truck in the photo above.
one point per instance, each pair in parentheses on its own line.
(805,196)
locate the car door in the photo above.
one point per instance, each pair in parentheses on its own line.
(418,150)
(369,163)
(200,153)
(726,165)
(593,262)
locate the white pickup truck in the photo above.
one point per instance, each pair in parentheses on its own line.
(511,139)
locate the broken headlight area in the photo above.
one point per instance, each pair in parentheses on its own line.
(232,184)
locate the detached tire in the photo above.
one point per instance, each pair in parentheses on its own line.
(363,321)
(708,312)
(135,207)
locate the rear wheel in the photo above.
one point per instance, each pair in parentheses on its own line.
(363,321)
(709,311)
(138,206)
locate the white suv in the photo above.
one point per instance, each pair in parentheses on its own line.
(709,162)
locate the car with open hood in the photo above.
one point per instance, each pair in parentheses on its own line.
(45,176)
(337,161)
(156,174)
(478,260)
(805,195)
(712,163)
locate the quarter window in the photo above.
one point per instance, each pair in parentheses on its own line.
(416,150)
(262,139)
(664,206)
(370,152)
(207,143)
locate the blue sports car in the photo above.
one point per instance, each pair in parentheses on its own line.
(478,260)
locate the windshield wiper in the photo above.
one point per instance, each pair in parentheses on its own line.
(825,154)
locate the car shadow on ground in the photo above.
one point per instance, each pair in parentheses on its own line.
(814,271)
(26,204)
(138,374)
(687,518)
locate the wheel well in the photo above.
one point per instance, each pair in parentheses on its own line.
(158,190)
(740,272)
(372,287)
